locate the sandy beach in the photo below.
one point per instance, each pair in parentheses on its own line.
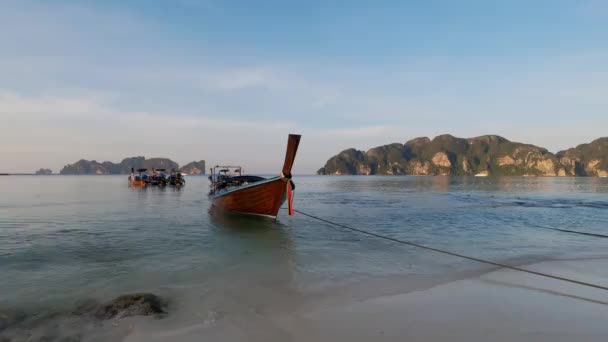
(501,305)
(497,306)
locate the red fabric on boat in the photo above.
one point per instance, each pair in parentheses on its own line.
(290,199)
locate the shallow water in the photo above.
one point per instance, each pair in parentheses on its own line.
(65,239)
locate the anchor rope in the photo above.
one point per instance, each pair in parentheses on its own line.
(573,232)
(437,250)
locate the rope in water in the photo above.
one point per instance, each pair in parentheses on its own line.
(574,232)
(515,268)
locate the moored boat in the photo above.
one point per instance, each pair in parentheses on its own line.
(176,178)
(138,179)
(232,191)
(158,177)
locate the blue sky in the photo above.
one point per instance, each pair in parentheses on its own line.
(226,81)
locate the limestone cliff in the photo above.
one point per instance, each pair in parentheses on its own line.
(194,168)
(485,155)
(347,162)
(586,159)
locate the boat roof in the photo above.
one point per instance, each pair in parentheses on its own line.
(227,166)
(142,170)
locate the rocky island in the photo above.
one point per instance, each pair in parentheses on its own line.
(488,155)
(43,172)
(194,168)
(86,167)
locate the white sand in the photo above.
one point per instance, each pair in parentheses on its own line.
(497,306)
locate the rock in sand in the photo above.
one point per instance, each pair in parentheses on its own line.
(137,304)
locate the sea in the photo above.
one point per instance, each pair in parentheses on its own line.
(68,240)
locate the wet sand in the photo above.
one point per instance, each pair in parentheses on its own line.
(501,305)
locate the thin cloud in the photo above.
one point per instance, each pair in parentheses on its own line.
(245,78)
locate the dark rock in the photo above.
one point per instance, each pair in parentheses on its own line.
(137,304)
(11,318)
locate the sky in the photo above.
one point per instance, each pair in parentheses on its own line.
(226,81)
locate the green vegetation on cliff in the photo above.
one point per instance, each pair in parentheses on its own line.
(484,155)
(587,159)
(85,167)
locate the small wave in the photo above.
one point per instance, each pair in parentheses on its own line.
(537,203)
(560,204)
(542,205)
(598,205)
(68,230)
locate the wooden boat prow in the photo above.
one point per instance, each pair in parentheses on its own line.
(251,194)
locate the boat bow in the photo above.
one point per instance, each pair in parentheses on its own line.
(261,196)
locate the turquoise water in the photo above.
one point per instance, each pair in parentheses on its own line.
(65,239)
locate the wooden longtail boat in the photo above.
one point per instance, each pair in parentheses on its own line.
(158,177)
(231,191)
(139,179)
(176,178)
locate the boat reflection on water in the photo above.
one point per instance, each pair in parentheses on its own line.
(268,232)
(154,189)
(162,194)
(261,254)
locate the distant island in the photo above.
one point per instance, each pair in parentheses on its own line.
(488,155)
(92,167)
(194,168)
(44,172)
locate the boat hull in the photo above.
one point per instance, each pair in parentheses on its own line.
(136,183)
(262,198)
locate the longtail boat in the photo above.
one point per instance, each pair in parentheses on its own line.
(158,177)
(137,179)
(232,191)
(176,178)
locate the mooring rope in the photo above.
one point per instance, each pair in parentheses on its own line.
(515,268)
(574,232)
